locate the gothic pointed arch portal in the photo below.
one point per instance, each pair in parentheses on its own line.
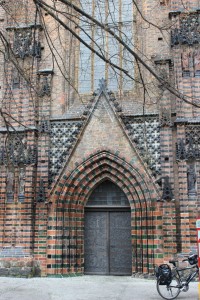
(67,216)
(107,231)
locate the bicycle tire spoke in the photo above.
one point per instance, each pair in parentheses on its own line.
(171,291)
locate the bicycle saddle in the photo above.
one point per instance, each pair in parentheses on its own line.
(173,262)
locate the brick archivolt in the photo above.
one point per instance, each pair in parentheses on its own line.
(67,212)
(80,182)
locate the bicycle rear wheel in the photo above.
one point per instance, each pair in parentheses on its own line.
(170,291)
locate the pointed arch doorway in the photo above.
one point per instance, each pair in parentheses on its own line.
(107,232)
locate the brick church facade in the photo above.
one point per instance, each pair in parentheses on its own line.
(104,182)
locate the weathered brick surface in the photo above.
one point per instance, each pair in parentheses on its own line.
(47,237)
(14,265)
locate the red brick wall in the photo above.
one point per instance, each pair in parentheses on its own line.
(34,231)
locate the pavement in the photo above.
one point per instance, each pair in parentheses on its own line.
(85,288)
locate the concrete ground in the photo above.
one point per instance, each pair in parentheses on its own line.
(85,288)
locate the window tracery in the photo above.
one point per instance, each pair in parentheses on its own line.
(187,33)
(25,43)
(118,16)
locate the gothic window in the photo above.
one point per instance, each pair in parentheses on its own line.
(118,16)
(107,194)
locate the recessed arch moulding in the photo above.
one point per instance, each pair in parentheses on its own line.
(66,216)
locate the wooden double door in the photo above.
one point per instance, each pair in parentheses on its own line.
(107,242)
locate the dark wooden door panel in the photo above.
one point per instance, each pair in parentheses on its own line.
(108,242)
(120,243)
(96,243)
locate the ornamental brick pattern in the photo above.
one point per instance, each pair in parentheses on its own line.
(58,149)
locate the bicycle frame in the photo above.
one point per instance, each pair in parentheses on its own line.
(190,277)
(179,283)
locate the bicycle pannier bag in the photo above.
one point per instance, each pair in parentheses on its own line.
(164,274)
(193,259)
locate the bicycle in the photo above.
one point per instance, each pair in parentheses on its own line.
(170,282)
